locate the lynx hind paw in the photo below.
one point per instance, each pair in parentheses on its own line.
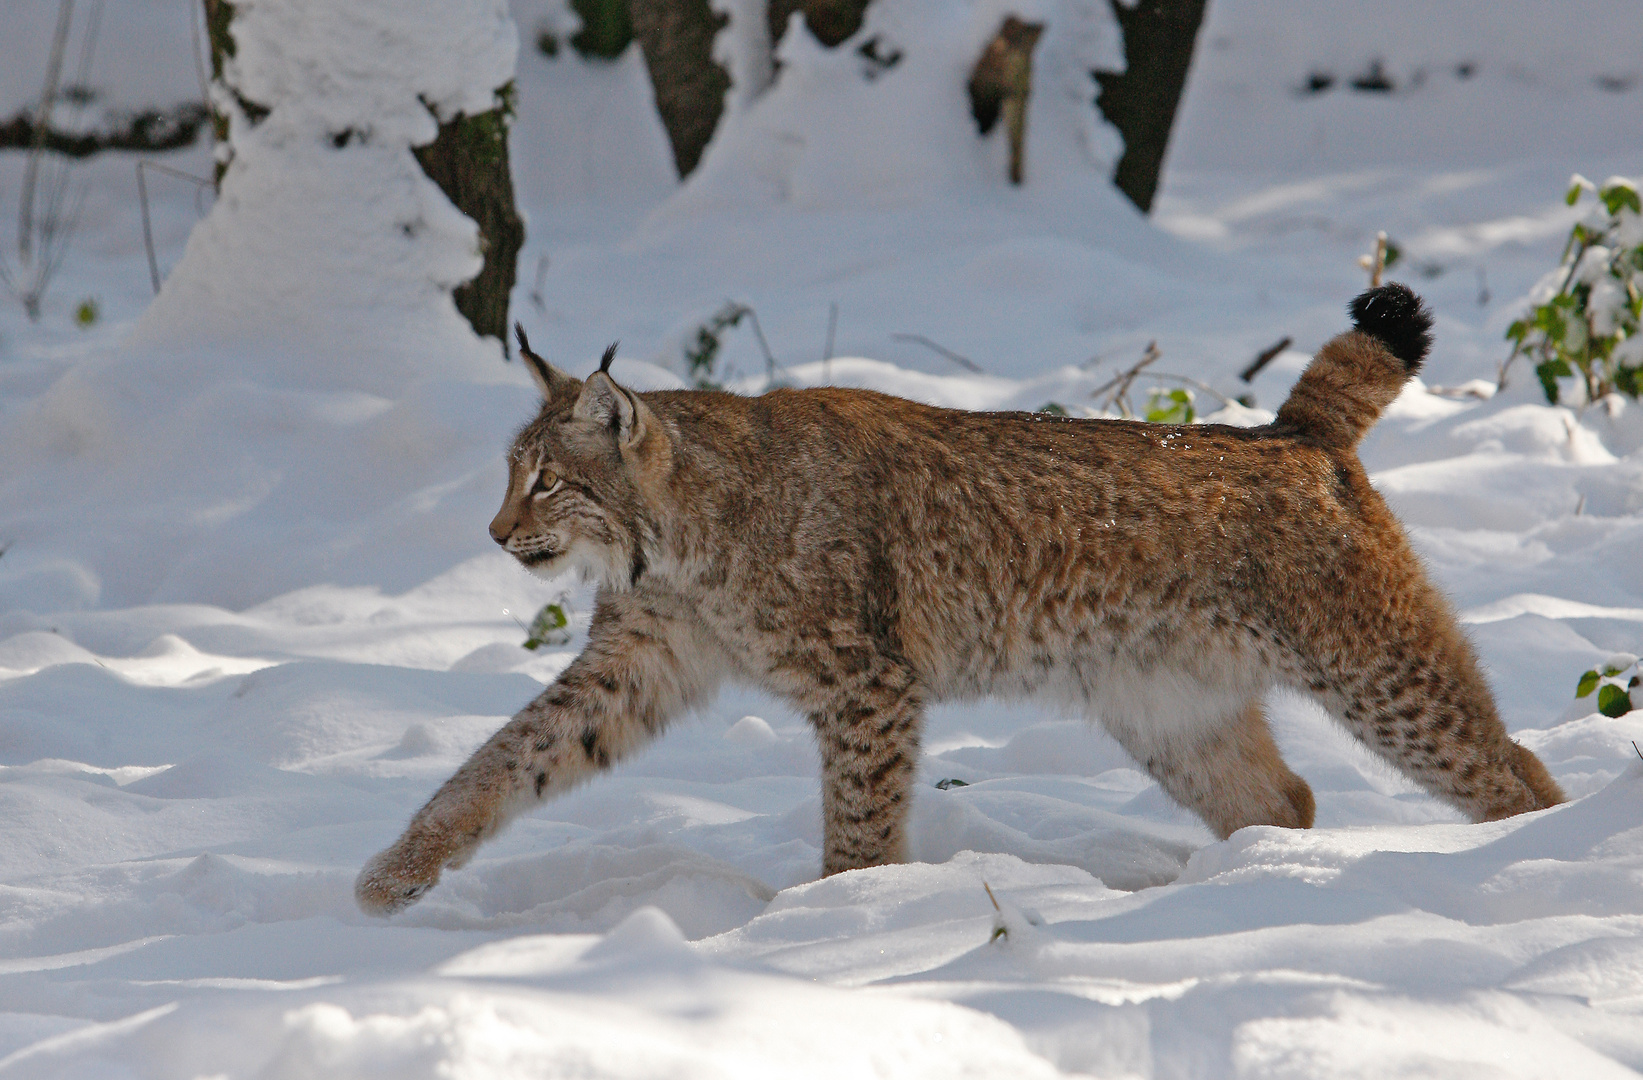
(386,886)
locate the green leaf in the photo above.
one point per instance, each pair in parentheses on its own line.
(1548,380)
(548,628)
(1170,407)
(1054,408)
(1393,254)
(1516,331)
(1573,195)
(1588,683)
(1612,701)
(1611,671)
(1618,196)
(951,782)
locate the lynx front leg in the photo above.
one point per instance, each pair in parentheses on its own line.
(869,749)
(641,668)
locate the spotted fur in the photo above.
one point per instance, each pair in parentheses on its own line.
(861,556)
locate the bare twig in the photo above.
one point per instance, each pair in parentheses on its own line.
(53,229)
(1264,358)
(541,279)
(88,42)
(42,238)
(999,929)
(962,361)
(1186,380)
(1458,392)
(31,168)
(1120,384)
(1375,264)
(142,196)
(1634,747)
(770,364)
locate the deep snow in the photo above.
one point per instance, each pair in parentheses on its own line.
(248,618)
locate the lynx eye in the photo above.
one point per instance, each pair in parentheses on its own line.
(546,484)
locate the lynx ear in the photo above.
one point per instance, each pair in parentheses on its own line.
(604,403)
(549,379)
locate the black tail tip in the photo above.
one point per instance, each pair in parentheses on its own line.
(1398,319)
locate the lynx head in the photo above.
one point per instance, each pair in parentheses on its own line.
(577,476)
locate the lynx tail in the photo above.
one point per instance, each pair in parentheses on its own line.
(1356,375)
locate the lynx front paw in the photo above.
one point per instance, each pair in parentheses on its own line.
(392,882)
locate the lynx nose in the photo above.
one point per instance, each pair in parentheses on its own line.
(501,530)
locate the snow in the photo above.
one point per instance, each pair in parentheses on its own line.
(249,617)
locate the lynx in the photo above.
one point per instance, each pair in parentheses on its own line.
(861,557)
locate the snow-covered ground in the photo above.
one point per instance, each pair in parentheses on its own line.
(250,618)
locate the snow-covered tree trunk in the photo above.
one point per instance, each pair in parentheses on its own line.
(330,257)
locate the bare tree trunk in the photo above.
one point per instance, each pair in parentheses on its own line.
(676,37)
(1159,36)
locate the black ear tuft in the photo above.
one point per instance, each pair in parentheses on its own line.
(610,354)
(524,342)
(1397,318)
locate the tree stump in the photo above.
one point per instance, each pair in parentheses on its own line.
(1001,83)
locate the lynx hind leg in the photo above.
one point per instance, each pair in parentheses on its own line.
(1422,704)
(869,748)
(641,668)
(1231,774)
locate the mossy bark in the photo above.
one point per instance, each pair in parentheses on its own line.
(1159,36)
(676,37)
(607,28)
(218,14)
(469,162)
